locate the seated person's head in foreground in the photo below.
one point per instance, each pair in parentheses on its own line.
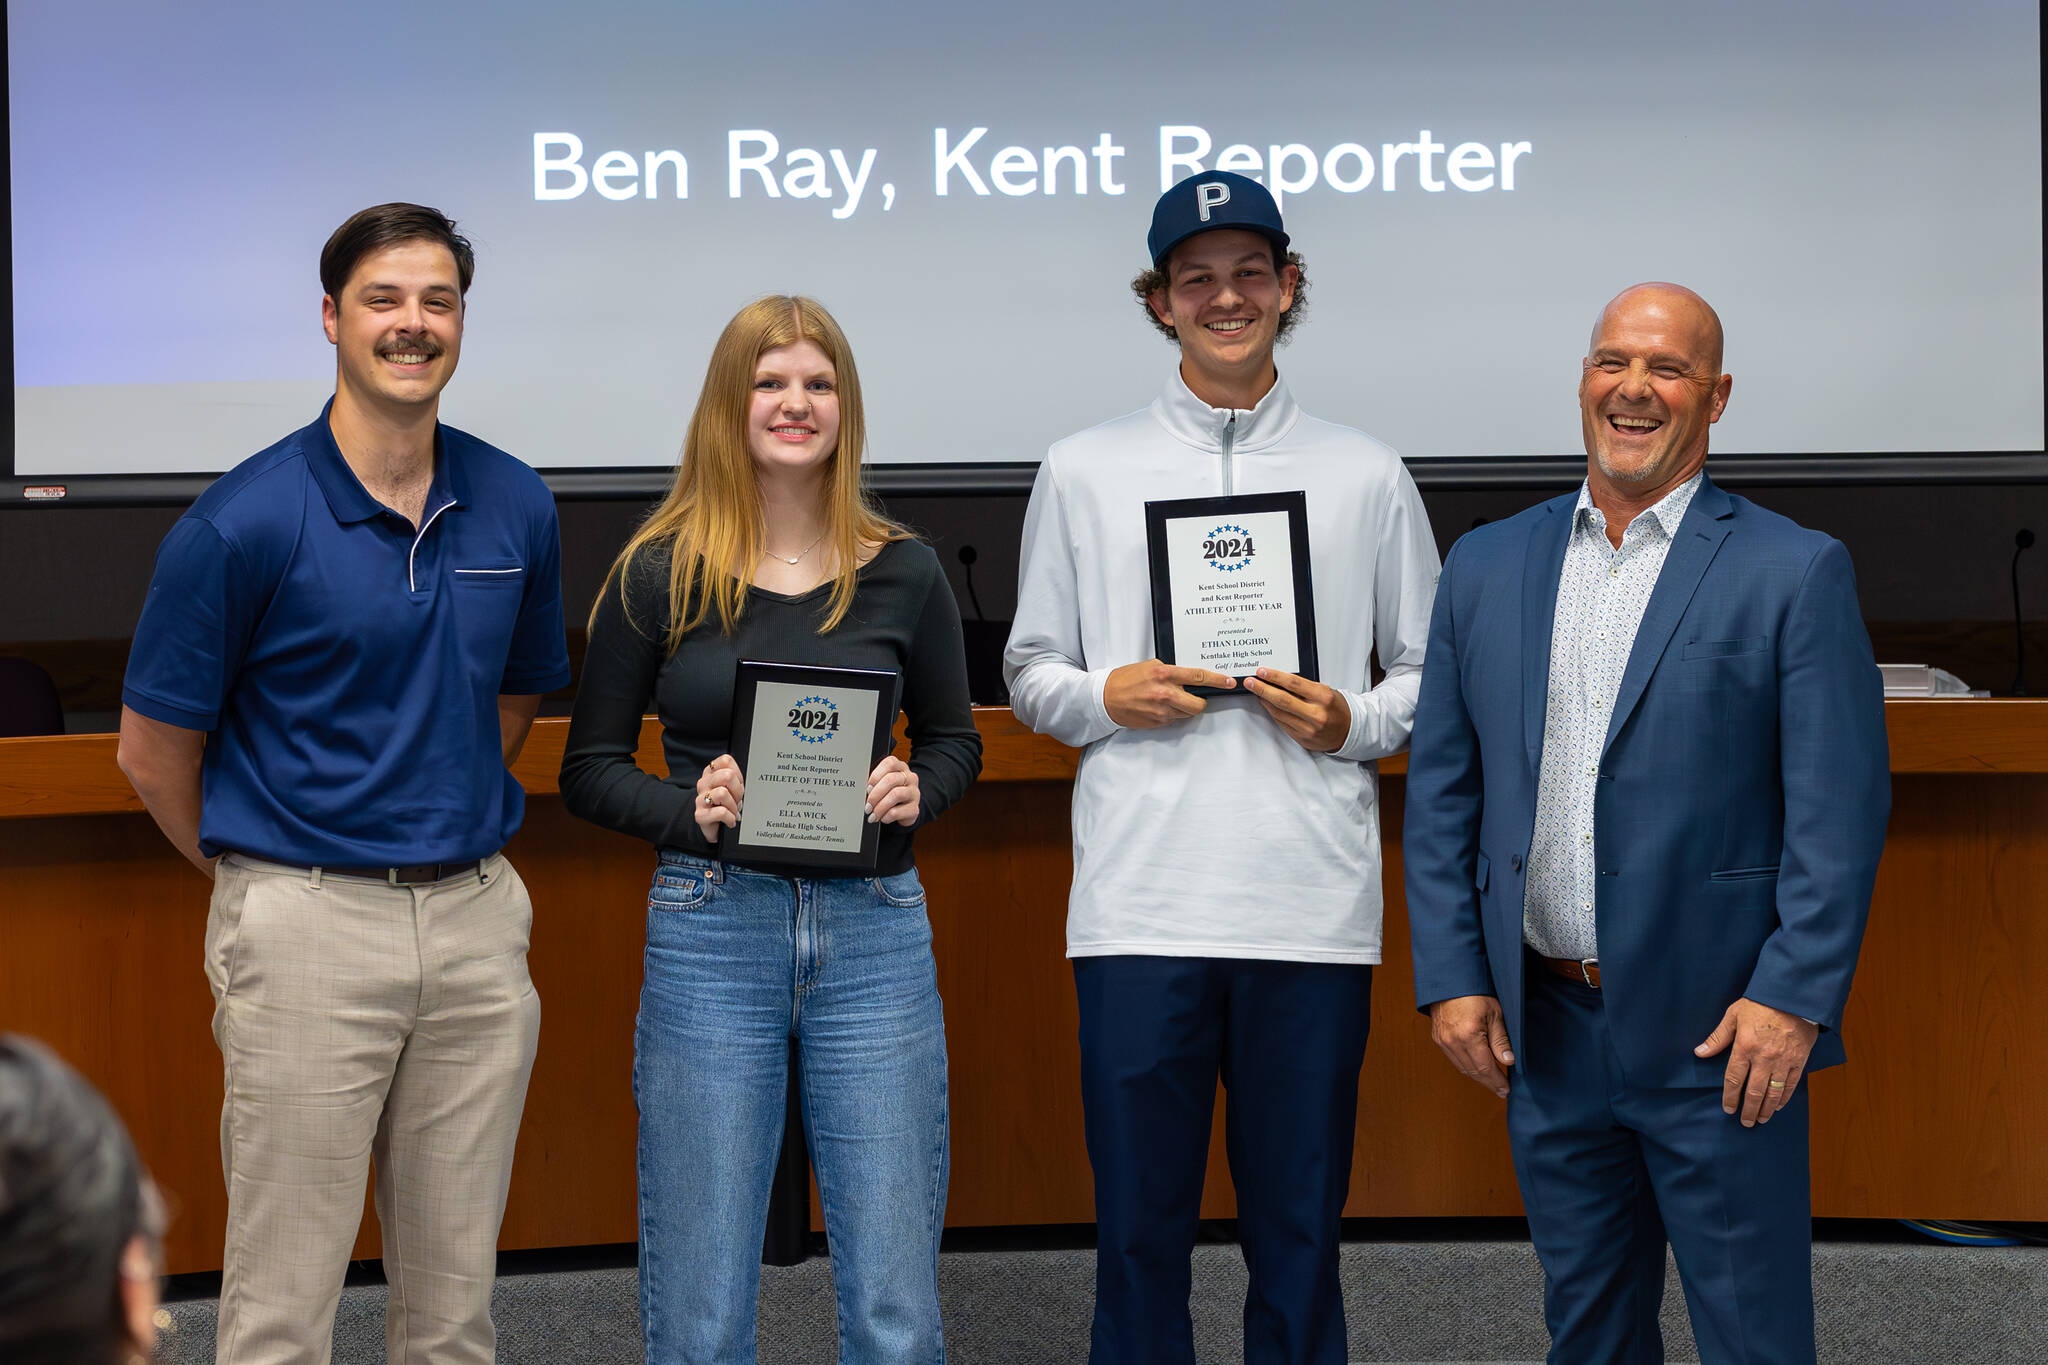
(79,1220)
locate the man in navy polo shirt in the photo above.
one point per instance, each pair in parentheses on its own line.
(342,650)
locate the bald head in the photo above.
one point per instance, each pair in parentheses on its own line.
(1673,306)
(1649,389)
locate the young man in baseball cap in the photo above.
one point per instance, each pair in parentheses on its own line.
(1225,912)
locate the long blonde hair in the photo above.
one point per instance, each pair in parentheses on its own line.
(711,522)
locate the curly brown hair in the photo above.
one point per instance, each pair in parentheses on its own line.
(1153,280)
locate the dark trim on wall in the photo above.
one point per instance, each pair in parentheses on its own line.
(1435,472)
(1460,472)
(6,267)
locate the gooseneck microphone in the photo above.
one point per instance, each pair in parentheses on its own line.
(2022,542)
(967,557)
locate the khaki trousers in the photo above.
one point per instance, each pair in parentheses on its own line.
(358,1019)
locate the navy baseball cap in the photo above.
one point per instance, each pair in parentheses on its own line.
(1208,200)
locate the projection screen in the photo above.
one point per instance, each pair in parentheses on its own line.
(1855,185)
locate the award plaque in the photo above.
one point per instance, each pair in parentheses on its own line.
(806,739)
(1230,584)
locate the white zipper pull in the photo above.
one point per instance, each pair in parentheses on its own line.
(1229,441)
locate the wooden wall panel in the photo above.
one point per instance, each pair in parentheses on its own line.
(999,934)
(572,1176)
(1942,1108)
(1937,1115)
(100,958)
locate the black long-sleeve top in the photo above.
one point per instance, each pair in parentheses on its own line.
(903,618)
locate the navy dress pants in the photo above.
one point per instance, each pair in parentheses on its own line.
(1287,1040)
(1609,1171)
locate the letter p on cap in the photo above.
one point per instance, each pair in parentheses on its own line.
(1208,200)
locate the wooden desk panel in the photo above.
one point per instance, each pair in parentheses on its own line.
(1945,1098)
(1936,1115)
(1973,735)
(75,774)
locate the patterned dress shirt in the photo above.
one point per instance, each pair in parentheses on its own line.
(1600,600)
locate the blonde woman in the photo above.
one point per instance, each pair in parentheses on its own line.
(766,548)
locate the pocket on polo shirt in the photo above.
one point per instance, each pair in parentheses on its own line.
(492,575)
(486,599)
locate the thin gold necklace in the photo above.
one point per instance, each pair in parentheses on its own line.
(792,559)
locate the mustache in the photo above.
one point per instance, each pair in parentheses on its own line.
(424,345)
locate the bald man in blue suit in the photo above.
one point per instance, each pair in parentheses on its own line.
(1646,798)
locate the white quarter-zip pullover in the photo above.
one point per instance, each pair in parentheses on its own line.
(1220,836)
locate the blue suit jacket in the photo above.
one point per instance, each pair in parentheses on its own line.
(1742,794)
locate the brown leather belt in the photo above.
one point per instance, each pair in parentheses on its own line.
(1586,973)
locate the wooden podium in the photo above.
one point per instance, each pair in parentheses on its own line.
(1939,1113)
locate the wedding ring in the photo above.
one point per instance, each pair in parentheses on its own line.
(1777,1085)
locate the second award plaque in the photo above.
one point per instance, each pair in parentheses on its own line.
(806,739)
(1230,584)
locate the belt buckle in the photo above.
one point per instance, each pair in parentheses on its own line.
(1586,964)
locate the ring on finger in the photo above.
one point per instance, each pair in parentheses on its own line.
(1777,1085)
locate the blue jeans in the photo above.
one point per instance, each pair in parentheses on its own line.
(738,963)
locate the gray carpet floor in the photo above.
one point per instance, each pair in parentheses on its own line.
(1406,1302)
